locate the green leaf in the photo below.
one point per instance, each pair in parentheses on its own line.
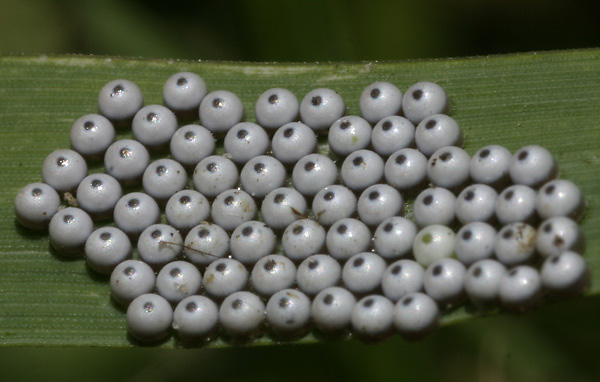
(550,98)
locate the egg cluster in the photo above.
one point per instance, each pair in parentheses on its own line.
(352,259)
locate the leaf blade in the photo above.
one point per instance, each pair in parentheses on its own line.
(514,100)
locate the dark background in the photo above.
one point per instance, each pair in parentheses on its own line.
(556,343)
(296,30)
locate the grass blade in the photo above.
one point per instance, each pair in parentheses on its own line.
(550,98)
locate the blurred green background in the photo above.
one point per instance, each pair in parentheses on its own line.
(296,30)
(556,343)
